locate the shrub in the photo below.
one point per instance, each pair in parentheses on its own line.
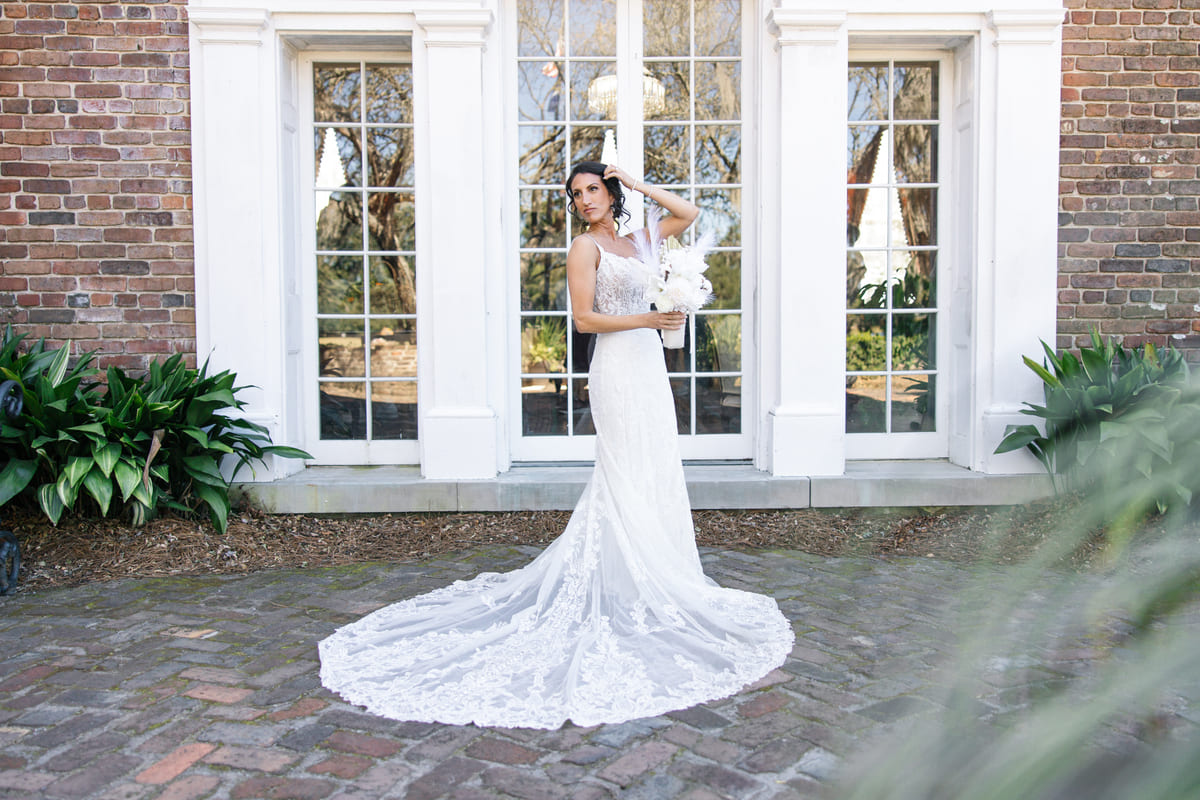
(865,351)
(59,405)
(147,443)
(1111,407)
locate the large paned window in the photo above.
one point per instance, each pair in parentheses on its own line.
(664,77)
(893,242)
(363,247)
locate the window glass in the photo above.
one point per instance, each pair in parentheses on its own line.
(365,243)
(892,247)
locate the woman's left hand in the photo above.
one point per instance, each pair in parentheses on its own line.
(668,320)
(613,171)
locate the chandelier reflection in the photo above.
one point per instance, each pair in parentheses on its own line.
(602,95)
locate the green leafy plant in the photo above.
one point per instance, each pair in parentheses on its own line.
(908,290)
(147,443)
(865,351)
(1111,405)
(42,444)
(547,345)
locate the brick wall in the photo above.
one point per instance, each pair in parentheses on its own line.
(95,176)
(1129,223)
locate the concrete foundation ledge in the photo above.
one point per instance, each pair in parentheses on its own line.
(356,490)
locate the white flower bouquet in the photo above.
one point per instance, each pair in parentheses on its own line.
(676,279)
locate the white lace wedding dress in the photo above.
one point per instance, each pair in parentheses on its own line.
(615,620)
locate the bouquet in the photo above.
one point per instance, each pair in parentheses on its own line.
(675,279)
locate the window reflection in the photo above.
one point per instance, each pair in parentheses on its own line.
(718,27)
(540,24)
(366,276)
(677,89)
(543,154)
(891,236)
(343,410)
(393,288)
(336,93)
(667,154)
(543,282)
(718,342)
(593,27)
(389,93)
(718,90)
(718,154)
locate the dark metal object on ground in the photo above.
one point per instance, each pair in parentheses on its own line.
(10,561)
(12,400)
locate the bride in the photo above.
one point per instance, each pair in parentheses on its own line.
(615,620)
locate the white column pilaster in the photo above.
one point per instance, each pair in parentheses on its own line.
(458,427)
(235,178)
(803,292)
(1018,238)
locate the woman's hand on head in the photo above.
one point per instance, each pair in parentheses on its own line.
(613,171)
(667,320)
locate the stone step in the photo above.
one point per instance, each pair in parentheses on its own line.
(727,485)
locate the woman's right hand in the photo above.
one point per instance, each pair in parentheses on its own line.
(667,320)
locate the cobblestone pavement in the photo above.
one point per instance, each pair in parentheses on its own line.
(197,687)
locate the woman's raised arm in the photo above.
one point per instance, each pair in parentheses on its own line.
(682,212)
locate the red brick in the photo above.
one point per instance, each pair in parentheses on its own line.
(305,706)
(501,751)
(191,787)
(645,757)
(30,675)
(763,704)
(363,745)
(283,789)
(218,694)
(258,758)
(342,766)
(174,763)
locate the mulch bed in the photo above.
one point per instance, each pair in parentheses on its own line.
(81,550)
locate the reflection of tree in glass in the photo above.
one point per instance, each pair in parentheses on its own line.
(914,154)
(916,147)
(389,214)
(543,281)
(540,27)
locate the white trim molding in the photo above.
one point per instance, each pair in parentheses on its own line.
(1029,26)
(461,27)
(228,25)
(802,26)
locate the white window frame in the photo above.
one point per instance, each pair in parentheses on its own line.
(629,135)
(325,451)
(926,444)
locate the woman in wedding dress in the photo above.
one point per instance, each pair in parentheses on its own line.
(615,620)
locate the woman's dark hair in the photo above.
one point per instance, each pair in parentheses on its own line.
(612,184)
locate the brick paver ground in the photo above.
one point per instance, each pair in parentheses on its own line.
(194,687)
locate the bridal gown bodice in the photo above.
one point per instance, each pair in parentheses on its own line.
(613,621)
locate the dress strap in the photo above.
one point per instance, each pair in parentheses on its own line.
(598,247)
